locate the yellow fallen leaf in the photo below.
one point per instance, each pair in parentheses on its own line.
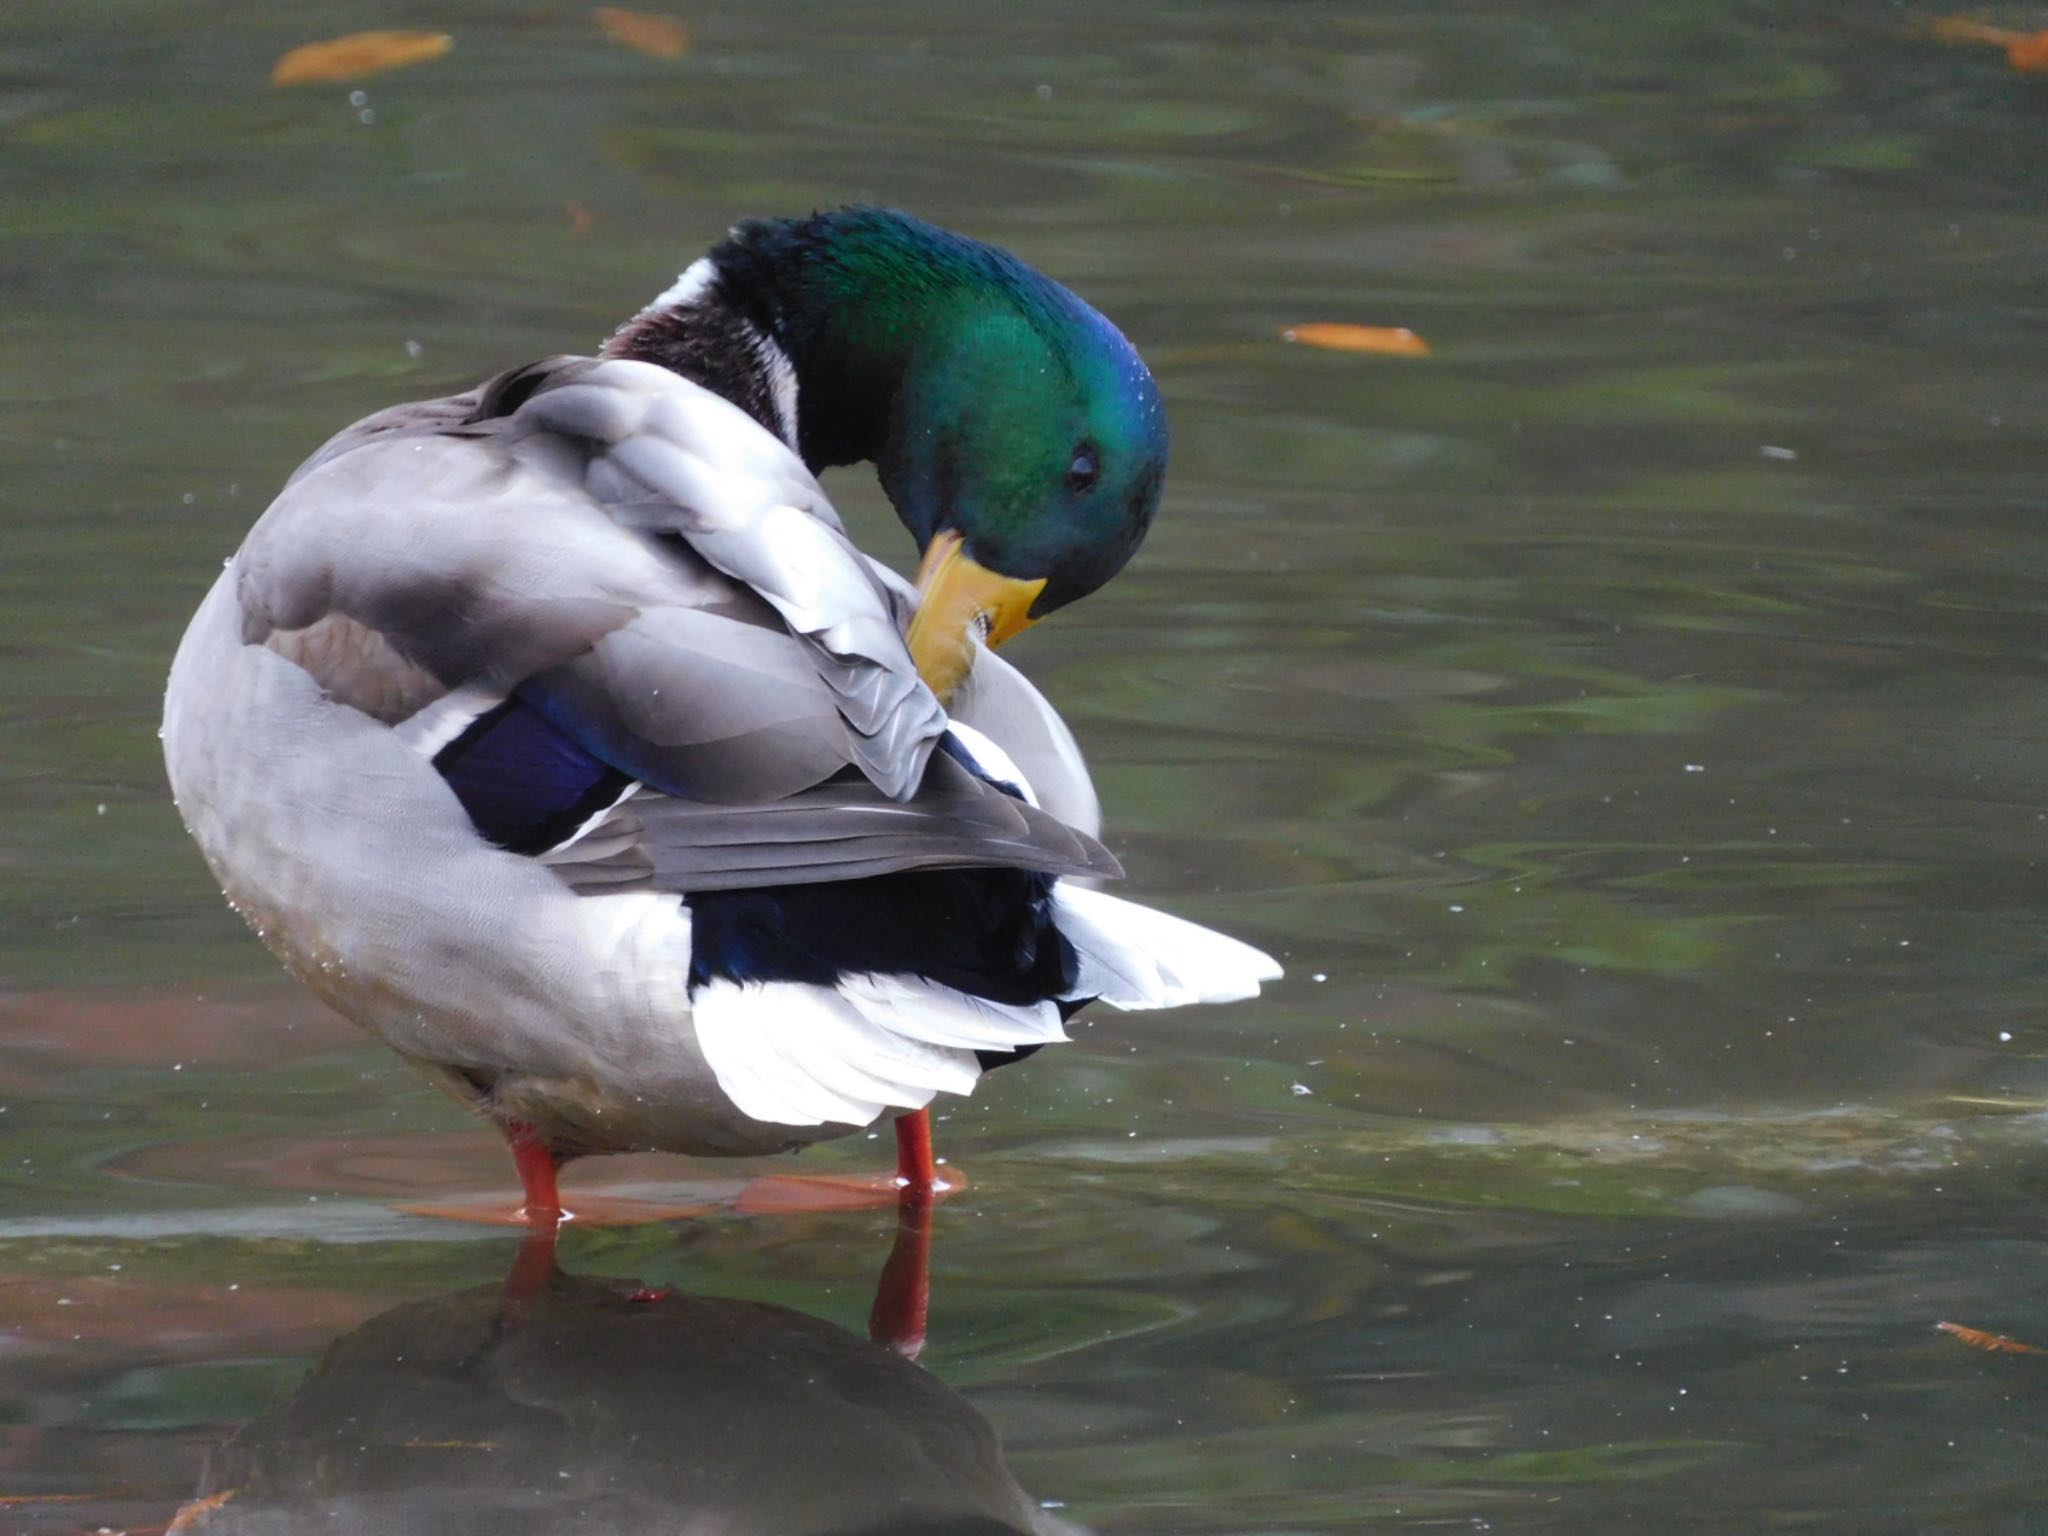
(360,53)
(1388,340)
(1997,1343)
(661,36)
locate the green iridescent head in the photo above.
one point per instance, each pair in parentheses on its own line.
(1009,421)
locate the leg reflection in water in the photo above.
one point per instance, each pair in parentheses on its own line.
(902,1294)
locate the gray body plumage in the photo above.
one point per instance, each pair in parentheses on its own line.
(671,573)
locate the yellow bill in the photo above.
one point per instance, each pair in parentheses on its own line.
(959,601)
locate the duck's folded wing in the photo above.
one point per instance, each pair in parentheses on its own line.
(841,830)
(598,576)
(669,459)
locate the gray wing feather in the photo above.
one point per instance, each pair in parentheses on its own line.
(674,581)
(841,830)
(704,707)
(697,467)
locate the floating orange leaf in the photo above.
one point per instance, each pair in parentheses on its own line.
(1388,340)
(661,36)
(581,218)
(1997,1343)
(1962,29)
(360,53)
(2026,52)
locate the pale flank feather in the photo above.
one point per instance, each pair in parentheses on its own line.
(998,700)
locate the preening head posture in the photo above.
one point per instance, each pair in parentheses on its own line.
(1018,434)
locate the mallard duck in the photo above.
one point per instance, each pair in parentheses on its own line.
(556,733)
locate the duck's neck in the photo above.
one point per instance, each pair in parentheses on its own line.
(814,325)
(697,330)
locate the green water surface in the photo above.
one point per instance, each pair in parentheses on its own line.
(1627,723)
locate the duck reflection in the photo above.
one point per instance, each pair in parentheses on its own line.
(560,1404)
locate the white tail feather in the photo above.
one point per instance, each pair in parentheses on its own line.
(795,1054)
(1135,957)
(924,1010)
(791,1053)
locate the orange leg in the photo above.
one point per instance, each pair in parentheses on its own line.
(917,1170)
(917,1173)
(902,1293)
(539,1182)
(538,1169)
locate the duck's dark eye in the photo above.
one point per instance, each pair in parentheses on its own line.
(1082,473)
